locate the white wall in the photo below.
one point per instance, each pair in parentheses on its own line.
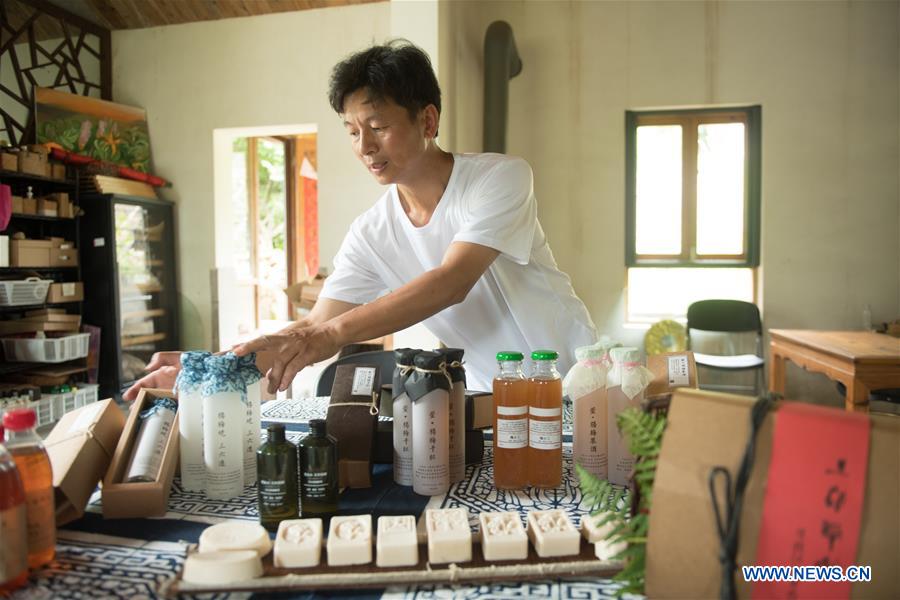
(826,75)
(265,71)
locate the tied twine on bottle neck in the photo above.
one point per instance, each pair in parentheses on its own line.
(373,406)
(443,368)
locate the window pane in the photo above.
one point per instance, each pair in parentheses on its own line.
(720,188)
(271,250)
(658,190)
(655,294)
(240,211)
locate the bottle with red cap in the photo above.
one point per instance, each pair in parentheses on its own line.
(13,532)
(31,458)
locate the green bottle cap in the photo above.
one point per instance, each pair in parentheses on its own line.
(506,356)
(544,355)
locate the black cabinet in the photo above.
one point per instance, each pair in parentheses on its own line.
(128,258)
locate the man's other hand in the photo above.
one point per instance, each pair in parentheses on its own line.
(163,369)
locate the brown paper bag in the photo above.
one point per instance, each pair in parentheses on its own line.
(707,429)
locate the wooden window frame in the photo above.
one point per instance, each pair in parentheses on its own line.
(689,120)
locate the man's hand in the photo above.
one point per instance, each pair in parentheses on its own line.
(293,348)
(163,368)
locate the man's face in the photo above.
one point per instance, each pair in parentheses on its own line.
(384,138)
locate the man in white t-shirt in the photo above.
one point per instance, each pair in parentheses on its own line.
(454,242)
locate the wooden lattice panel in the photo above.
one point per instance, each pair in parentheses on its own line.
(42,45)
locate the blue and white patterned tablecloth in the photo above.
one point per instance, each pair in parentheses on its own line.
(130,558)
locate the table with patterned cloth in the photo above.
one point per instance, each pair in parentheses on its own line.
(130,558)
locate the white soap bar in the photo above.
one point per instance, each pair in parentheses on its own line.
(606,549)
(552,533)
(592,531)
(236,536)
(222,567)
(502,536)
(449,536)
(350,540)
(397,544)
(298,543)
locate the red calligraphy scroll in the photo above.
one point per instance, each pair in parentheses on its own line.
(814,497)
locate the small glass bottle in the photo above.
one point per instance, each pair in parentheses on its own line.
(13,525)
(545,421)
(510,423)
(276,466)
(318,472)
(37,480)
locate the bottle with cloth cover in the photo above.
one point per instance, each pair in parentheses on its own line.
(250,374)
(625,385)
(585,386)
(402,411)
(457,418)
(224,398)
(429,391)
(190,420)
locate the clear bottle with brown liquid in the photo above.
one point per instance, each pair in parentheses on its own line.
(37,480)
(545,421)
(510,423)
(13,525)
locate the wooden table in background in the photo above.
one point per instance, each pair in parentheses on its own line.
(861,360)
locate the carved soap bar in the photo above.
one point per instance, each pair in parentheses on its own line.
(502,536)
(449,536)
(552,533)
(223,567)
(235,536)
(397,545)
(350,540)
(298,543)
(592,531)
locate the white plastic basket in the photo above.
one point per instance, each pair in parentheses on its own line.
(69,401)
(47,350)
(24,292)
(43,410)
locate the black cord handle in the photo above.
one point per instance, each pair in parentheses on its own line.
(728,528)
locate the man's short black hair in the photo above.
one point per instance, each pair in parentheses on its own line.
(397,70)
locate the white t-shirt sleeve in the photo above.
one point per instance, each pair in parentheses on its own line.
(354,279)
(502,211)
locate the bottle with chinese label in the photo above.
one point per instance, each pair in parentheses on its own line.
(318,472)
(429,391)
(545,421)
(13,525)
(37,480)
(625,385)
(510,423)
(402,410)
(457,415)
(190,420)
(224,397)
(276,467)
(585,385)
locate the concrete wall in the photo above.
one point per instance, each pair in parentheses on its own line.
(826,75)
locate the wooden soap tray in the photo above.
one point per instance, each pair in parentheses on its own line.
(370,576)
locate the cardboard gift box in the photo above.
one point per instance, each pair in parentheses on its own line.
(707,430)
(352,420)
(57,170)
(303,295)
(18,204)
(140,499)
(32,163)
(81,446)
(9,161)
(64,256)
(29,206)
(65,292)
(671,370)
(47,207)
(30,253)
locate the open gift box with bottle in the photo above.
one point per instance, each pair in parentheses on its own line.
(139,478)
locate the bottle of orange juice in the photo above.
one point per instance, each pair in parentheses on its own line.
(13,537)
(37,480)
(545,421)
(510,423)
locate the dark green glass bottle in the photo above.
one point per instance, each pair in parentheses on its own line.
(276,463)
(318,472)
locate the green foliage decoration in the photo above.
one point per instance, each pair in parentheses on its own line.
(611,503)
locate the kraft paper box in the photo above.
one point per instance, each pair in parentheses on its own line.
(80,448)
(30,253)
(707,429)
(671,370)
(9,161)
(147,498)
(351,422)
(65,292)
